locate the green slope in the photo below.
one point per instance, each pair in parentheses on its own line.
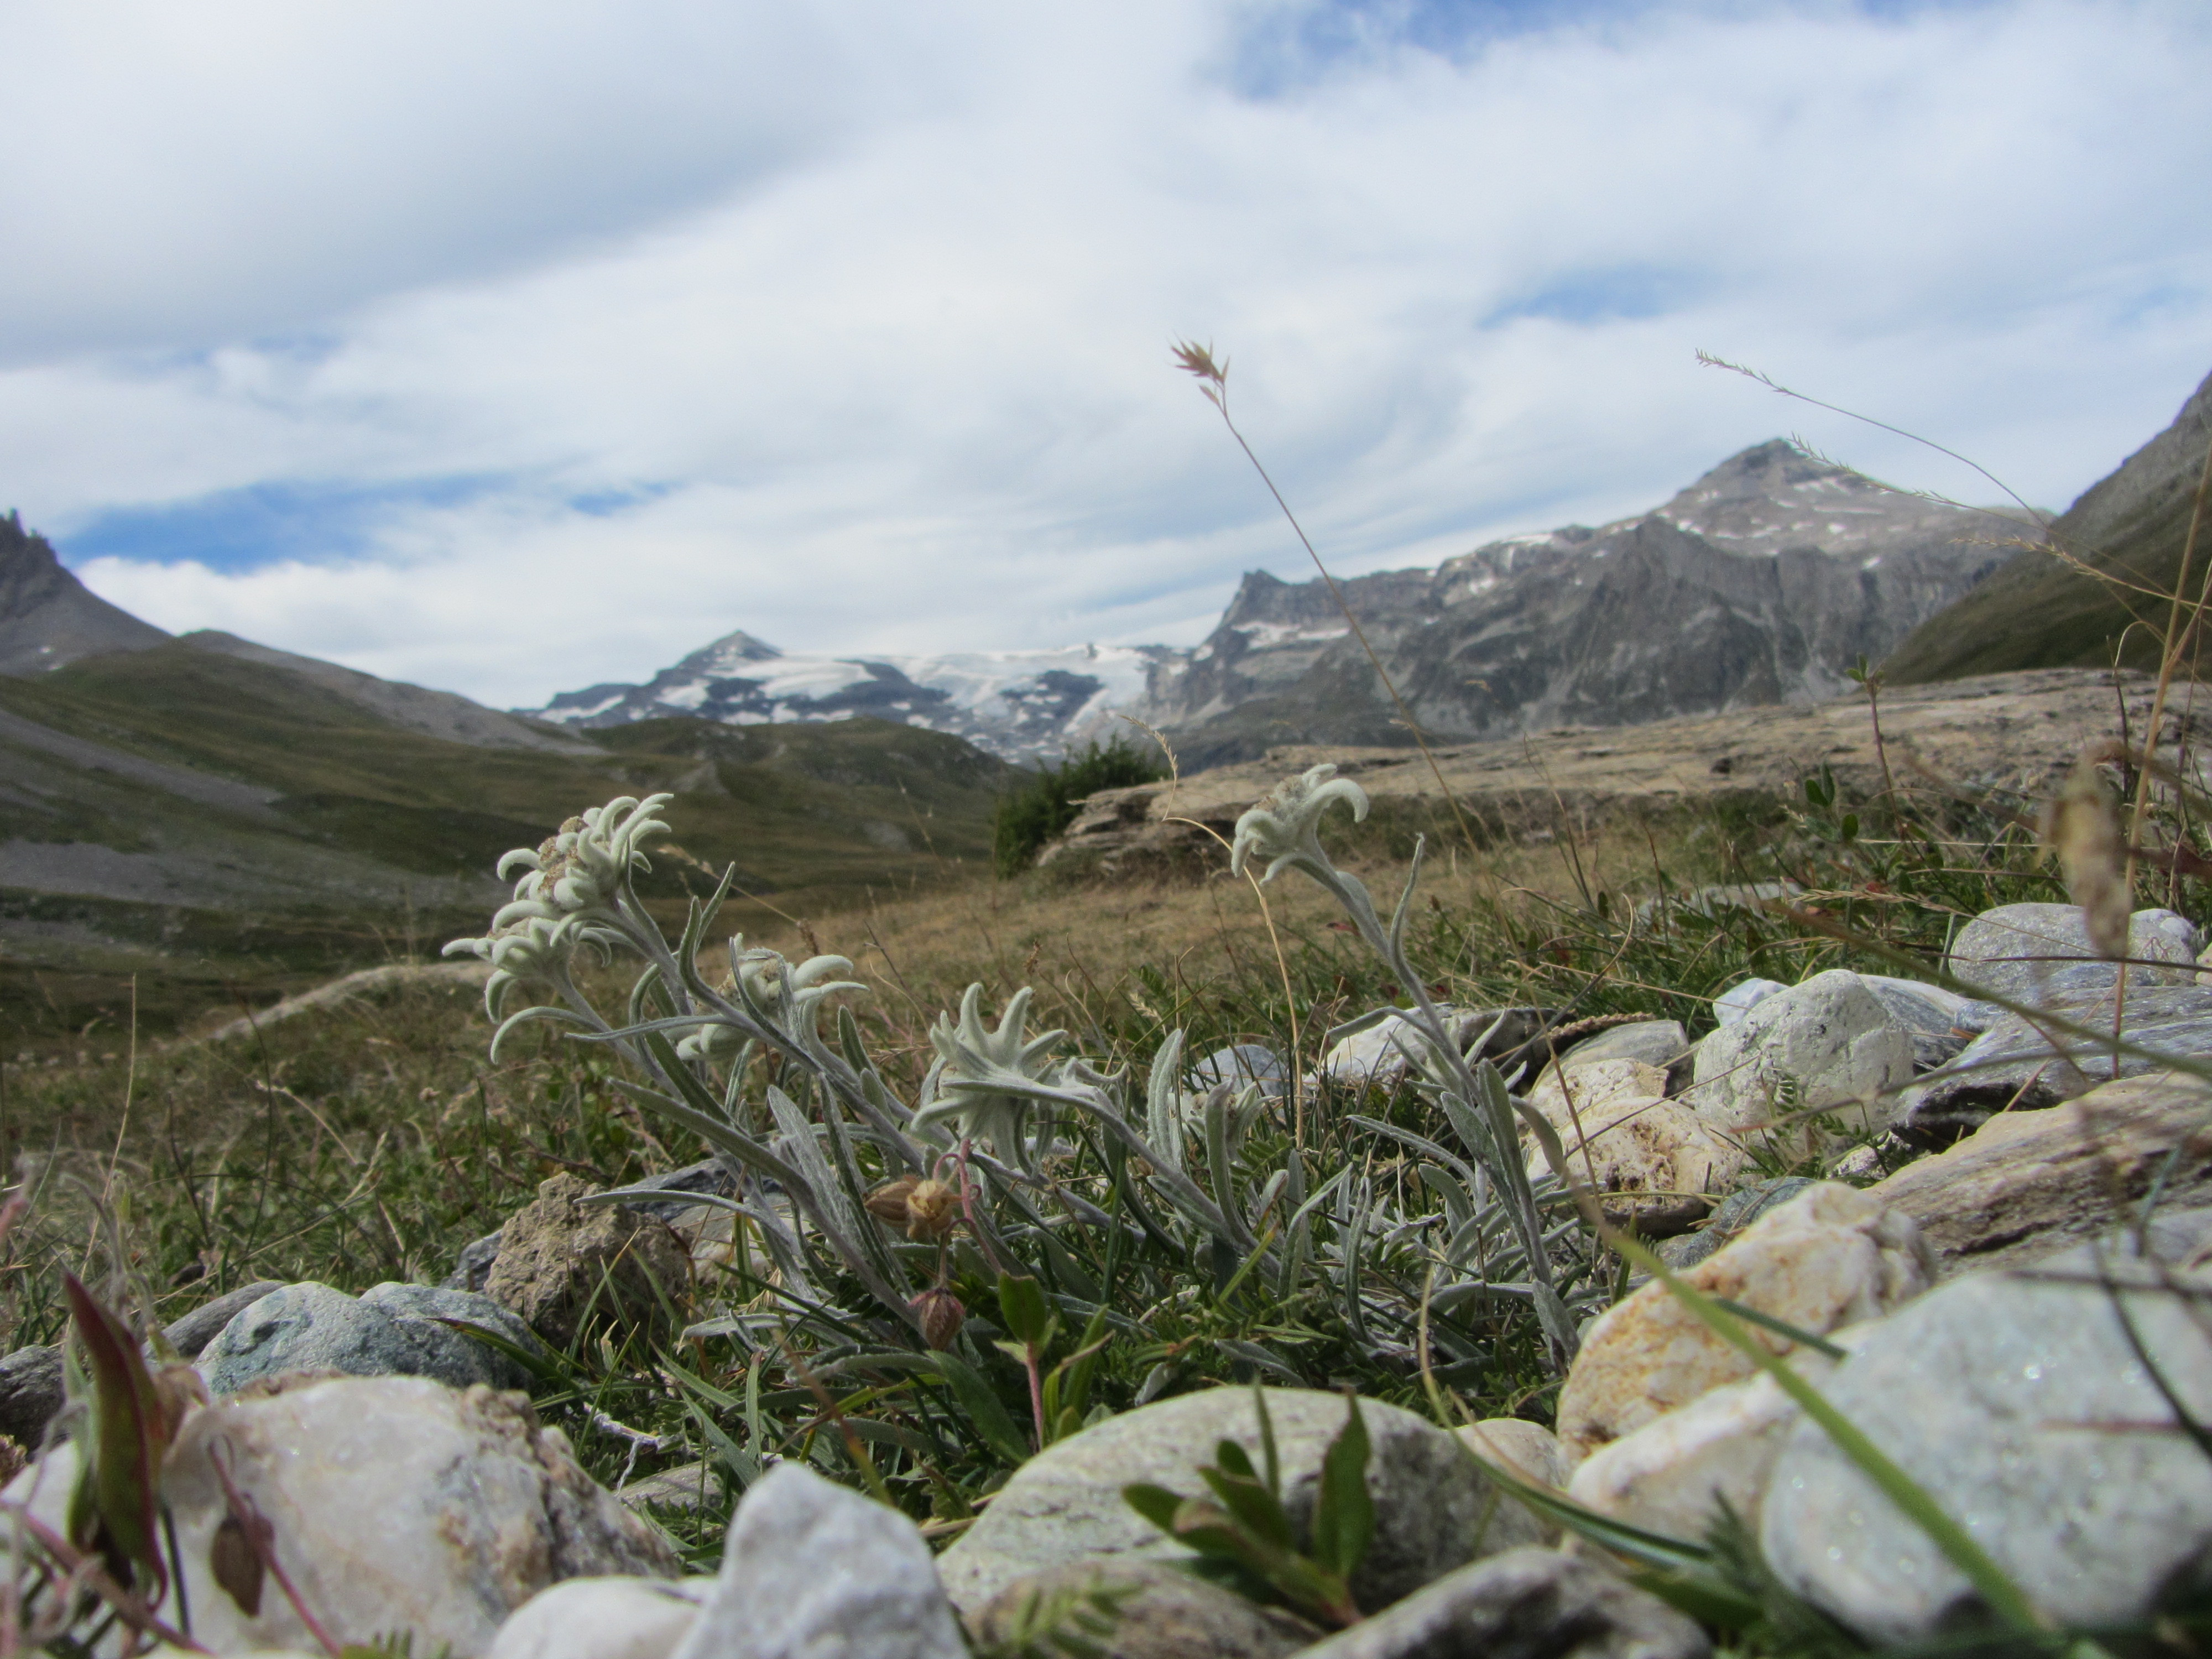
(2040,612)
(226,830)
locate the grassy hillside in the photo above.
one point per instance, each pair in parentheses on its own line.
(226,829)
(2040,610)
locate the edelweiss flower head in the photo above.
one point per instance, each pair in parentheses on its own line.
(584,864)
(975,1066)
(1285,826)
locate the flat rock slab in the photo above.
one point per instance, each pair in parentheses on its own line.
(2028,1184)
(2020,729)
(2023,1066)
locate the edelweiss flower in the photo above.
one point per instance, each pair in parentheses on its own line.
(1284,827)
(583,867)
(974,1067)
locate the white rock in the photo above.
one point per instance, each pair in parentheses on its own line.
(1830,1257)
(1740,999)
(811,1570)
(1376,1055)
(1827,1045)
(603,1619)
(399,1506)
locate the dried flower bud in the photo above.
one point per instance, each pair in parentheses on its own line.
(941,1314)
(918,1208)
(887,1203)
(933,1210)
(2083,829)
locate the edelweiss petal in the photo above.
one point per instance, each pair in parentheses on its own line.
(1284,827)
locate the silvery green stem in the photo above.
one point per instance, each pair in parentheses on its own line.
(1285,829)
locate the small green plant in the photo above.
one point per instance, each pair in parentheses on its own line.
(1060,1621)
(1033,815)
(1244,1537)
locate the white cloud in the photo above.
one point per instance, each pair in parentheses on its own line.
(868,327)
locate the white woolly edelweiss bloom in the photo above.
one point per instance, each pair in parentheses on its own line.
(975,1066)
(569,888)
(759,975)
(583,866)
(1285,826)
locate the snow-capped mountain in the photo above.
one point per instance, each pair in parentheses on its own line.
(1024,705)
(1760,583)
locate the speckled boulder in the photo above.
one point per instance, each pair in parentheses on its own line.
(1830,1257)
(2021,1402)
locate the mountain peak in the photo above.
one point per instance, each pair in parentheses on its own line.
(47,616)
(1774,496)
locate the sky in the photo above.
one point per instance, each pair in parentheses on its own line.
(510,348)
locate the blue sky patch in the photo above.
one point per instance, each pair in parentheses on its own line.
(1615,293)
(237,529)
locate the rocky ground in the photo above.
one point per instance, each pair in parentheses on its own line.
(1999,1284)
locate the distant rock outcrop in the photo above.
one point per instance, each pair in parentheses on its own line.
(47,616)
(2039,610)
(1761,583)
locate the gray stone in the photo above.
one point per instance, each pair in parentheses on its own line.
(682,1187)
(1164,1613)
(603,1619)
(311,1327)
(2015,1066)
(1741,998)
(1245,1062)
(1736,1212)
(1826,1045)
(1524,1604)
(438,1304)
(2018,1400)
(1065,1503)
(2029,1184)
(196,1329)
(30,1394)
(1930,1014)
(811,1569)
(1374,1054)
(2039,953)
(474,1266)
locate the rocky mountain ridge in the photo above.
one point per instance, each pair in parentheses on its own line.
(47,616)
(1761,583)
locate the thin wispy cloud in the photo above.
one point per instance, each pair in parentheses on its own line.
(519,350)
